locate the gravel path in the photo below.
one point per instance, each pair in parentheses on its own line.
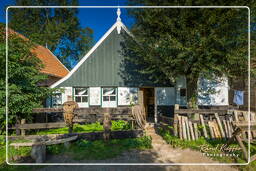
(160,153)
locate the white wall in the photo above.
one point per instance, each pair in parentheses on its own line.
(213,92)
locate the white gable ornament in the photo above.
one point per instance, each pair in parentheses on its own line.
(119,24)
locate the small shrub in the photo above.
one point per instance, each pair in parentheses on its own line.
(120,125)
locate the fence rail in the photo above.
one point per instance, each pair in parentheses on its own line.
(85,111)
(190,124)
(201,111)
(82,116)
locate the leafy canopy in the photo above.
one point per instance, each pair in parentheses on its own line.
(58,28)
(190,41)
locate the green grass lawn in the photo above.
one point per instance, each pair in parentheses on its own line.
(94,127)
(80,149)
(23,152)
(195,145)
(99,150)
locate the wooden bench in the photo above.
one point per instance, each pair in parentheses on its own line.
(38,152)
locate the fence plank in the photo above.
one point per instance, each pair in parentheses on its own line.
(196,131)
(211,129)
(41,125)
(216,129)
(187,127)
(23,132)
(204,128)
(191,130)
(184,128)
(225,128)
(220,125)
(180,127)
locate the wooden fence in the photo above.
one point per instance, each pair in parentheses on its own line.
(190,124)
(82,116)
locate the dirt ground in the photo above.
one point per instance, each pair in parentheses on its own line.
(160,153)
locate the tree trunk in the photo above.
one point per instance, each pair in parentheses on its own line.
(192,92)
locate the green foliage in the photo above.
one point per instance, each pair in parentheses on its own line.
(93,127)
(99,150)
(59,28)
(120,125)
(191,42)
(2,150)
(23,78)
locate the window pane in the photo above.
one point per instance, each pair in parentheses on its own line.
(112,98)
(109,91)
(84,98)
(81,91)
(105,98)
(78,99)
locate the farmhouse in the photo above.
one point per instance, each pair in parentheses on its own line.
(104,78)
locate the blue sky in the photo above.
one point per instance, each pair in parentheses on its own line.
(99,19)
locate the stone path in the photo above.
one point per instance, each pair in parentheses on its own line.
(160,153)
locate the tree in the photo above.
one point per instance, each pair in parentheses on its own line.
(191,42)
(23,78)
(57,28)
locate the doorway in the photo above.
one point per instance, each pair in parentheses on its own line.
(148,102)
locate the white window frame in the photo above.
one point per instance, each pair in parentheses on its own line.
(109,103)
(81,104)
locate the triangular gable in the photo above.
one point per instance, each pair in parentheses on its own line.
(117,24)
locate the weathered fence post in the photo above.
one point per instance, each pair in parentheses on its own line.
(17,127)
(23,132)
(107,125)
(180,127)
(38,152)
(175,120)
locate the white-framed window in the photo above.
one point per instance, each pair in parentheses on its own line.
(109,97)
(56,100)
(81,96)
